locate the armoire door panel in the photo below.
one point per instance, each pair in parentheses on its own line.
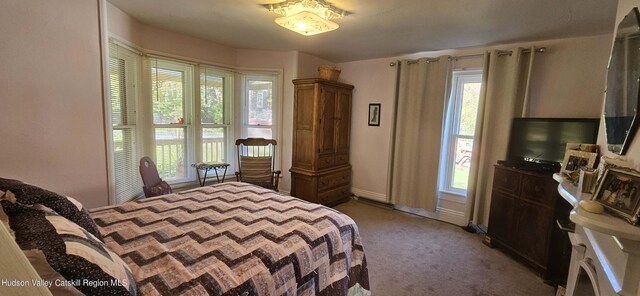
(303,153)
(304,107)
(327,116)
(343,122)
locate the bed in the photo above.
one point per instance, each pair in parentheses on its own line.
(232,239)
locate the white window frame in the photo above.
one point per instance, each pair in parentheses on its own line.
(235,119)
(452,126)
(274,78)
(228,115)
(132,70)
(188,111)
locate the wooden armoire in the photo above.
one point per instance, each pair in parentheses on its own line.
(320,170)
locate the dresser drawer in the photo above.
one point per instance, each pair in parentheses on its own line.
(539,189)
(506,180)
(326,162)
(342,178)
(334,180)
(325,182)
(342,158)
(333,195)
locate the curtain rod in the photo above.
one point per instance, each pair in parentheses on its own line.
(129,47)
(175,58)
(455,58)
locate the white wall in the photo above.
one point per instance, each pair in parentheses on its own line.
(123,26)
(374,82)
(567,81)
(158,40)
(51,128)
(308,65)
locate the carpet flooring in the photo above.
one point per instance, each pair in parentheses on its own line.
(411,255)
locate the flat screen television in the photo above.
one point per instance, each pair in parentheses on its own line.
(543,140)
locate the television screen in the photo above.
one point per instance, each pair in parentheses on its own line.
(545,139)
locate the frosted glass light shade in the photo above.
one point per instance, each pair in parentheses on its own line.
(306,23)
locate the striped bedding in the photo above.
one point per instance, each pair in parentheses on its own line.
(235,239)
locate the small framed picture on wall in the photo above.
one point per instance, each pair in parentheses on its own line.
(374,114)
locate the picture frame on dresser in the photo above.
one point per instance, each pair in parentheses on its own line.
(574,160)
(619,192)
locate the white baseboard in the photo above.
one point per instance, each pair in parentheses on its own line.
(370,195)
(451,216)
(440,214)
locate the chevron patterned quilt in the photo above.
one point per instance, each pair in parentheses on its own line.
(235,239)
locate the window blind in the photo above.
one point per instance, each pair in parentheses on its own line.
(123,68)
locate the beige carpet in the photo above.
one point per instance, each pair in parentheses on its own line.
(411,255)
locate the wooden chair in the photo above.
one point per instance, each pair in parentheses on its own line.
(152,184)
(256,162)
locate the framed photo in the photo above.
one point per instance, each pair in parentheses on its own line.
(374,114)
(607,163)
(583,147)
(618,193)
(574,160)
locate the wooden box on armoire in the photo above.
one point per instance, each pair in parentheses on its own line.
(320,169)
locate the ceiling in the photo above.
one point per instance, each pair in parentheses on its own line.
(380,28)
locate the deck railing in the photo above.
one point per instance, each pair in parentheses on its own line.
(170,158)
(170,155)
(213,149)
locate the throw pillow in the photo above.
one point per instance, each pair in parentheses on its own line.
(65,206)
(66,255)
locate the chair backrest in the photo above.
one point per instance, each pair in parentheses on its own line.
(256,147)
(152,184)
(149,172)
(256,161)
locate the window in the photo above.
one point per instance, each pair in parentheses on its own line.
(171,100)
(462,111)
(259,106)
(215,119)
(181,114)
(124,68)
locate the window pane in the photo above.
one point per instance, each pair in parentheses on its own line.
(170,153)
(212,102)
(213,144)
(469,110)
(253,132)
(260,102)
(463,151)
(167,93)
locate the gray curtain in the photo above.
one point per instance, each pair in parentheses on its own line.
(423,87)
(504,95)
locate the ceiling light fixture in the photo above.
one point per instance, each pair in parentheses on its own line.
(307,17)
